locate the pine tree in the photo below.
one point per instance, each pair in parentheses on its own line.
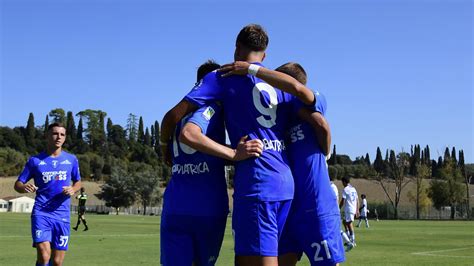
(367,159)
(447,156)
(333,160)
(132,127)
(153,139)
(453,155)
(109,128)
(157,139)
(378,163)
(58,115)
(141,132)
(46,124)
(427,155)
(70,130)
(80,130)
(147,138)
(30,133)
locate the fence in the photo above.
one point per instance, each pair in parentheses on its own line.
(386,211)
(134,210)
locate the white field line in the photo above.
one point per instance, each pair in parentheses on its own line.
(87,235)
(431,253)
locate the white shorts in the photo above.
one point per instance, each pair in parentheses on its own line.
(349,216)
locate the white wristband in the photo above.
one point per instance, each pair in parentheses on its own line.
(253,69)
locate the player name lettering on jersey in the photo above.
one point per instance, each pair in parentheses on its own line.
(276,145)
(189,168)
(296,133)
(57,175)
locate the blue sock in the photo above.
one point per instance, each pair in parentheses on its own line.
(41,264)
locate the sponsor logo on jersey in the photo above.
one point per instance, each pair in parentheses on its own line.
(42,163)
(208,113)
(273,144)
(55,163)
(54,175)
(190,169)
(65,162)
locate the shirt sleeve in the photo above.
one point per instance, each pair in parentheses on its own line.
(75,173)
(207,90)
(319,105)
(27,172)
(203,116)
(344,194)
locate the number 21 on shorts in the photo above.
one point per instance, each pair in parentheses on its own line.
(316,245)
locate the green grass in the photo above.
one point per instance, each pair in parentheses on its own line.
(134,240)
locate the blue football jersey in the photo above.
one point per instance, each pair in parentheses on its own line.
(50,175)
(313,190)
(198,186)
(253,108)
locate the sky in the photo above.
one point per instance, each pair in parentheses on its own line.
(395,72)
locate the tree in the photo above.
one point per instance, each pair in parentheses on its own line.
(141,132)
(448,190)
(453,155)
(109,128)
(70,130)
(46,124)
(30,132)
(447,156)
(396,173)
(147,138)
(59,116)
(132,127)
(95,133)
(118,191)
(427,155)
(422,172)
(11,162)
(367,159)
(462,167)
(157,140)
(378,163)
(146,188)
(80,146)
(333,160)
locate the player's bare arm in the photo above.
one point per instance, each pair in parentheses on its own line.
(192,136)
(320,126)
(71,190)
(168,125)
(24,188)
(276,79)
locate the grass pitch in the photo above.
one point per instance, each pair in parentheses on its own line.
(134,240)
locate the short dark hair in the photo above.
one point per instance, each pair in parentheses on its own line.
(254,37)
(363,196)
(295,70)
(206,68)
(346,179)
(56,124)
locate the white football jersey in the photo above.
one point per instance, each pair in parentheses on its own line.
(349,194)
(364,209)
(334,188)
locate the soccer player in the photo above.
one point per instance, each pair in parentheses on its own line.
(350,201)
(53,171)
(263,185)
(82,210)
(313,224)
(345,238)
(195,201)
(363,212)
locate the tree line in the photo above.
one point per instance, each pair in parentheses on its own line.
(122,156)
(449,177)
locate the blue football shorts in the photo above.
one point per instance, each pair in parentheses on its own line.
(258,225)
(46,229)
(186,239)
(317,237)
